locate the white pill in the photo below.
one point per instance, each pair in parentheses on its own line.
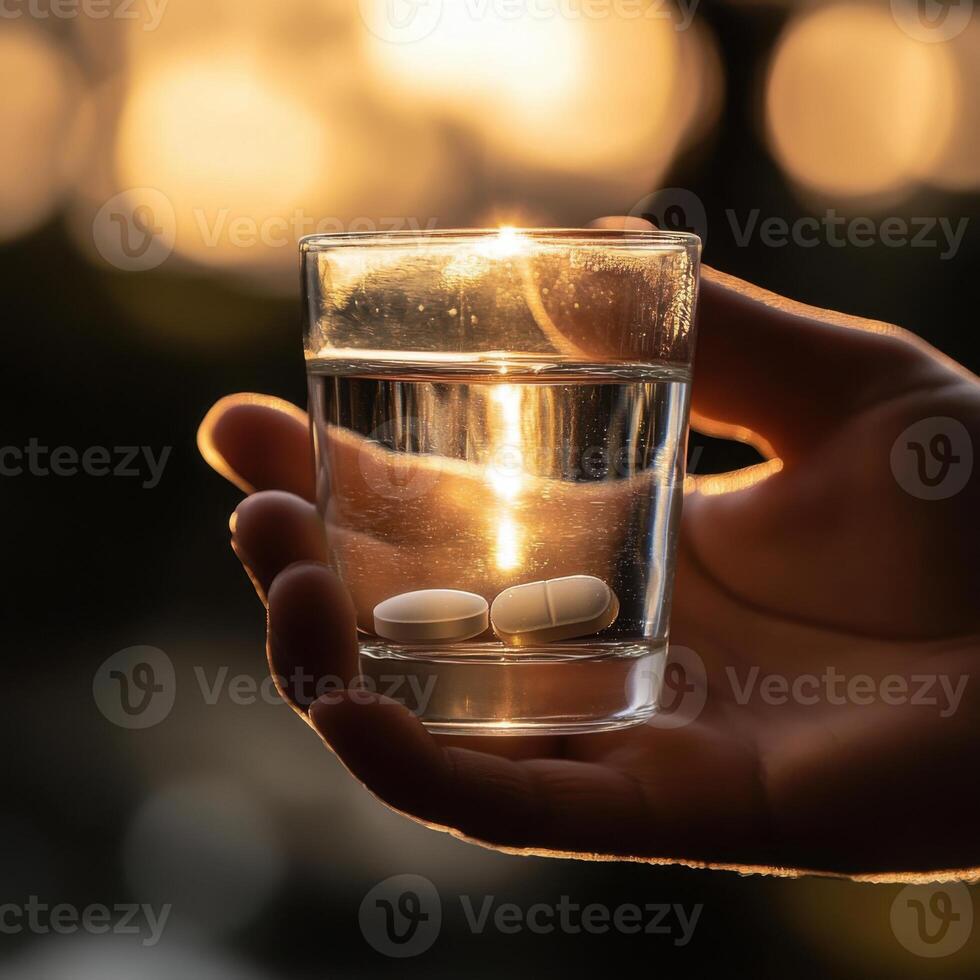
(446,615)
(558,609)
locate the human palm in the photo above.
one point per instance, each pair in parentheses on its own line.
(819,563)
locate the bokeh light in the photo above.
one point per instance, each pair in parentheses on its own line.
(208,848)
(231,812)
(699,83)
(854,106)
(569,93)
(40,87)
(235,154)
(261,124)
(847,927)
(114,957)
(524,62)
(958,166)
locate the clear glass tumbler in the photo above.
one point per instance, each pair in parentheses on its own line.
(497,408)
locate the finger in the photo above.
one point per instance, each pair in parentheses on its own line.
(622,222)
(273,529)
(259,442)
(783,375)
(551,806)
(479,795)
(609,308)
(794,374)
(839,542)
(396,495)
(313,650)
(312,644)
(415,499)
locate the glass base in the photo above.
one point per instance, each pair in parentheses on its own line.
(490,689)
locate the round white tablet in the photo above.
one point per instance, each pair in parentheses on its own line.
(446,615)
(556,609)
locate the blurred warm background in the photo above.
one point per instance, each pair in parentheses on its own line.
(158,162)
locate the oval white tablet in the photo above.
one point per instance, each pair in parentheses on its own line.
(556,609)
(446,615)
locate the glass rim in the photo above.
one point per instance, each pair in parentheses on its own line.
(582,236)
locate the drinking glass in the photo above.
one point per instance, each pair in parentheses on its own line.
(491,409)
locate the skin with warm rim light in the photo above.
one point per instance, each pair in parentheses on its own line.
(816,558)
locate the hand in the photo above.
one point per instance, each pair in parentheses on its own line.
(816,559)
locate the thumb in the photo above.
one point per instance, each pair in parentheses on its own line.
(782,375)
